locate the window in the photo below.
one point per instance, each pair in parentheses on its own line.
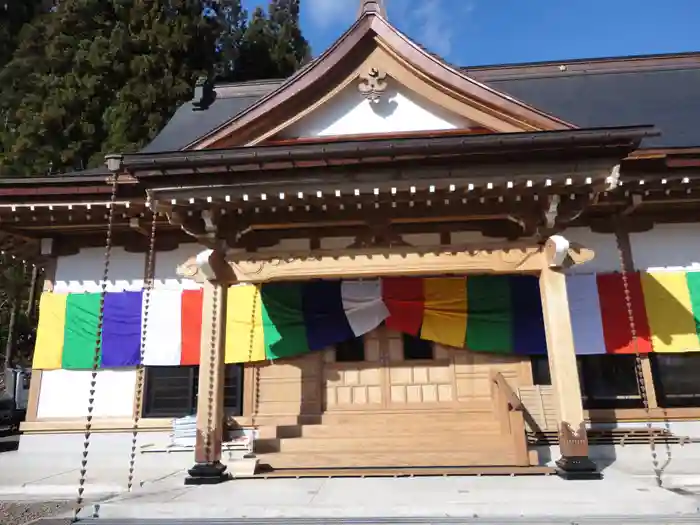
(350,351)
(540,370)
(415,348)
(676,379)
(171,391)
(607,381)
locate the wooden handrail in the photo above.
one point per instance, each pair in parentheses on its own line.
(514,403)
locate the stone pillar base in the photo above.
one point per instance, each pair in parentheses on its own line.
(581,467)
(207,474)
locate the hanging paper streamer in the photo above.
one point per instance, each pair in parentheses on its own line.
(404,299)
(48,351)
(491,313)
(283,320)
(693,280)
(586,318)
(670,312)
(528,334)
(363,305)
(324,316)
(163,345)
(80,331)
(445,314)
(121,330)
(489,321)
(614,313)
(191,326)
(245,339)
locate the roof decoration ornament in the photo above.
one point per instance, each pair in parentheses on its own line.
(372,84)
(372,6)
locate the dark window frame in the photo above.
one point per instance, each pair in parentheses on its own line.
(415,346)
(188,377)
(351,351)
(588,368)
(672,395)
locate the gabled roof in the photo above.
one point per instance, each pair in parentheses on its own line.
(661,89)
(343,58)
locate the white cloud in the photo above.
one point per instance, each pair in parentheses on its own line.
(324,13)
(431,23)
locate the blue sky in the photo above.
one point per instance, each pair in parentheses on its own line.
(476,32)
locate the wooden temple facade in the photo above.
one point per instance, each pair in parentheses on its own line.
(377,160)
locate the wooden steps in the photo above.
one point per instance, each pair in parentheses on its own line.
(397,443)
(364,430)
(385,440)
(386,459)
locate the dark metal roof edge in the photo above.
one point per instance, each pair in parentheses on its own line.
(383,146)
(589,60)
(59,179)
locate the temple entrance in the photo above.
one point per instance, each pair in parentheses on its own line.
(386,370)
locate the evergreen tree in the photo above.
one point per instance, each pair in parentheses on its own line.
(13,15)
(232,20)
(272,45)
(290,49)
(170,44)
(62,80)
(101,76)
(254,60)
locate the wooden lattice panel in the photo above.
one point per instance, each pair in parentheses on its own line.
(540,408)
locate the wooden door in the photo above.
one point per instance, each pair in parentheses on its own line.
(417,383)
(385,379)
(355,385)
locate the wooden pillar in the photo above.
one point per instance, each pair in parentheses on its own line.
(35,380)
(208,469)
(573,438)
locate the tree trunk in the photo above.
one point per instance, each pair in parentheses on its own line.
(31,302)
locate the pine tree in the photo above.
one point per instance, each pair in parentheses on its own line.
(63,78)
(290,50)
(170,44)
(14,14)
(103,76)
(255,61)
(272,45)
(232,20)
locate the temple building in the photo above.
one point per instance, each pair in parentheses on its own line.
(384,263)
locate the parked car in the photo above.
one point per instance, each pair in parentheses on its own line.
(9,416)
(13,401)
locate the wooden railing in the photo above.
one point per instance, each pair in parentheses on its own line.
(510,410)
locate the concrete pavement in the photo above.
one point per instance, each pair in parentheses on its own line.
(483,497)
(159,492)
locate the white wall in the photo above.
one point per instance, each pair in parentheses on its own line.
(399,110)
(83,271)
(670,247)
(64,393)
(604,245)
(166,264)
